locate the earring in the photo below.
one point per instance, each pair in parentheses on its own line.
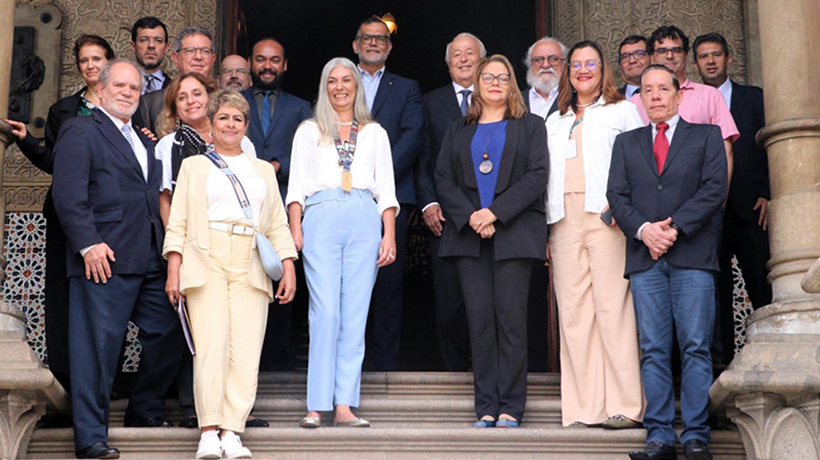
(178,124)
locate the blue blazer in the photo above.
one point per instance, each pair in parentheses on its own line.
(101,196)
(691,190)
(276,144)
(399,110)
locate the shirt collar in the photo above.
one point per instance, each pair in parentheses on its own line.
(726,90)
(687,84)
(117,122)
(538,95)
(672,122)
(366,74)
(460,88)
(601,101)
(260,91)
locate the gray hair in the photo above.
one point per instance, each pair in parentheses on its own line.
(326,116)
(228,98)
(105,72)
(483,52)
(193,30)
(528,56)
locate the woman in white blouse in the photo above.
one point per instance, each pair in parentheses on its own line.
(600,369)
(222,278)
(341,177)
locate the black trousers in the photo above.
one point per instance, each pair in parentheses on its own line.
(98,321)
(56,302)
(385,306)
(451,317)
(750,243)
(538,319)
(495,293)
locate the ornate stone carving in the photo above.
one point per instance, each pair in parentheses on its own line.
(24,197)
(610,21)
(773,427)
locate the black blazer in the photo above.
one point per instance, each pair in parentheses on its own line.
(101,195)
(441,110)
(43,156)
(691,190)
(520,193)
(399,110)
(750,178)
(526,95)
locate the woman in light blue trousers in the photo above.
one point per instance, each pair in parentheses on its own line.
(341,178)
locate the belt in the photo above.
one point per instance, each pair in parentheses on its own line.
(236,229)
(337,194)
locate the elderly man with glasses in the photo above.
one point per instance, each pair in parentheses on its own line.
(545,60)
(235,73)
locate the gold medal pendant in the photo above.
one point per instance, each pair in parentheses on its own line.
(347,181)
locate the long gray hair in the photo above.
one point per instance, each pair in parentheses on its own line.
(326,116)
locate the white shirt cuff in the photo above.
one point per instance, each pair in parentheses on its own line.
(640,230)
(434,203)
(84,251)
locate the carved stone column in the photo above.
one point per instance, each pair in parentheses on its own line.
(772,389)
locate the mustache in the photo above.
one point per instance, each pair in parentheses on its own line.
(550,71)
(269,72)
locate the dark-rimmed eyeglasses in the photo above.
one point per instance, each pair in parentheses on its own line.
(665,51)
(367,39)
(552,59)
(638,54)
(488,78)
(591,64)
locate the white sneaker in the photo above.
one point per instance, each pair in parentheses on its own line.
(232,447)
(209,446)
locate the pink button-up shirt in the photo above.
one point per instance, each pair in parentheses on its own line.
(700,104)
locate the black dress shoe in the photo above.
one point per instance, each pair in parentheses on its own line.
(696,450)
(98,450)
(148,422)
(256,423)
(654,451)
(190,422)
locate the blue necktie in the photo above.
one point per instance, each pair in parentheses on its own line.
(126,132)
(465,102)
(265,118)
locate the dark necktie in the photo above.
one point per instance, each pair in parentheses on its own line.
(661,148)
(265,113)
(465,101)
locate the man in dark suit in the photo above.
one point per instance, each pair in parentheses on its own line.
(149,42)
(193,52)
(745,221)
(633,57)
(395,102)
(106,192)
(442,107)
(275,115)
(545,60)
(667,183)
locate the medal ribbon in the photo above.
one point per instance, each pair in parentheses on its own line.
(348,150)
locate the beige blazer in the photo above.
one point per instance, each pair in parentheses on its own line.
(187,231)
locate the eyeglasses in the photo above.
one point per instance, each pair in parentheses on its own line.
(639,54)
(665,51)
(488,78)
(575,66)
(191,51)
(367,39)
(240,71)
(552,59)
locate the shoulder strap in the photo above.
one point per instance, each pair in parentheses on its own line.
(241,196)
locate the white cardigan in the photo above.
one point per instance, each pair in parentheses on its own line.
(601,124)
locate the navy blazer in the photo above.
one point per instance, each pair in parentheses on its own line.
(691,190)
(520,192)
(750,178)
(290,111)
(101,195)
(399,109)
(441,110)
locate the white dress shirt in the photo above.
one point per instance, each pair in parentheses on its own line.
(670,131)
(726,91)
(602,123)
(540,106)
(315,165)
(163,153)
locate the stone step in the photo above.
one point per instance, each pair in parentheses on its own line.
(426,385)
(453,443)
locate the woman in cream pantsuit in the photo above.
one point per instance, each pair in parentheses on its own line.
(600,368)
(222,276)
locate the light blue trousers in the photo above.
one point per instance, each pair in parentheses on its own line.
(342,233)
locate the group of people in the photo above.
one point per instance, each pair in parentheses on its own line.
(161,184)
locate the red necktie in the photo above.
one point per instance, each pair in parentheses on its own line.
(661,148)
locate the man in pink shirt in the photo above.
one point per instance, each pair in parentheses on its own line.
(669,46)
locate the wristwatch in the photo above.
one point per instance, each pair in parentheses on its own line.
(678,229)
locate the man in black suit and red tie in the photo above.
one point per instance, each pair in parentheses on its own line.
(667,184)
(106,192)
(442,107)
(745,224)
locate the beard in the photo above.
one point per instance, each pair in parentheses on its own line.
(234,84)
(377,61)
(544,86)
(273,85)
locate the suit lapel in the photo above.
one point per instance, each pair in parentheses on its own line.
(149,150)
(645,142)
(281,101)
(508,154)
(255,121)
(681,133)
(385,86)
(450,102)
(738,102)
(526,95)
(464,149)
(116,138)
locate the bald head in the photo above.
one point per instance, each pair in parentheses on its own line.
(235,73)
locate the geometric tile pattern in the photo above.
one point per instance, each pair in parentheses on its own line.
(24,288)
(742,306)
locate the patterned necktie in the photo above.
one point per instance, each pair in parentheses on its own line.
(661,148)
(149,86)
(126,131)
(465,101)
(265,118)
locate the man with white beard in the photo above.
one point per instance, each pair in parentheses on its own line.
(545,61)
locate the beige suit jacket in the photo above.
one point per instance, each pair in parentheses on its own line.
(187,231)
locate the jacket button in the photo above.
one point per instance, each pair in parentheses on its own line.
(660,187)
(266,147)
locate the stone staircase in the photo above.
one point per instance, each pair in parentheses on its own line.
(414,416)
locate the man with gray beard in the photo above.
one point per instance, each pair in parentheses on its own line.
(545,61)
